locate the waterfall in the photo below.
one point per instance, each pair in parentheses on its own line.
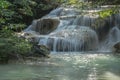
(112,38)
(67,29)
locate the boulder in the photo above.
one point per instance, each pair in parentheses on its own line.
(117,47)
(45,26)
(39,51)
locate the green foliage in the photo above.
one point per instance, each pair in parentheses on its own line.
(104,2)
(72,1)
(4,12)
(10,44)
(23,11)
(108,12)
(23,7)
(4,4)
(17,27)
(14,16)
(79,4)
(105,13)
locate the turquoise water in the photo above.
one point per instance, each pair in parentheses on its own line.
(65,67)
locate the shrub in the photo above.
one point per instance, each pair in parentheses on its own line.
(11,46)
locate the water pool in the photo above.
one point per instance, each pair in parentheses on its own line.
(61,66)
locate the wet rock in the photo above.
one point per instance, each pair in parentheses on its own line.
(45,26)
(39,51)
(117,47)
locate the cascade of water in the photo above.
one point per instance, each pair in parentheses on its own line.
(117,19)
(62,25)
(43,40)
(114,35)
(72,31)
(31,27)
(55,44)
(75,39)
(83,21)
(112,38)
(56,12)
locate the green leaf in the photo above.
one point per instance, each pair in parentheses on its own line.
(4,4)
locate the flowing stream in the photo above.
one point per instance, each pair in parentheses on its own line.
(66,66)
